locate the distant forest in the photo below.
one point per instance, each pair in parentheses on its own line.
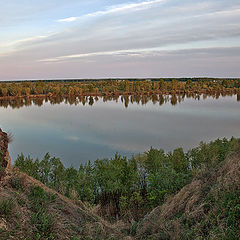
(116,87)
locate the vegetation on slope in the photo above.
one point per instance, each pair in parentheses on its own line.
(128,188)
(31,211)
(208,208)
(157,195)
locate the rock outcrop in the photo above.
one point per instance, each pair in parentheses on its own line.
(5,160)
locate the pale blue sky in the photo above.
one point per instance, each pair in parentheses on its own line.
(111,38)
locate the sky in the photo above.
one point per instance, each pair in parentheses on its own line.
(119,39)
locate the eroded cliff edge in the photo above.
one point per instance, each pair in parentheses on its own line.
(5,160)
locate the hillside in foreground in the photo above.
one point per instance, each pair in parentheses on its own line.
(30,210)
(206,208)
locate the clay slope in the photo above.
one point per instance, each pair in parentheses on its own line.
(207,208)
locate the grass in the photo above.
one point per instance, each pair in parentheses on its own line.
(42,221)
(6,207)
(221,219)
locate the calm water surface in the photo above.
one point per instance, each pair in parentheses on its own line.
(78,133)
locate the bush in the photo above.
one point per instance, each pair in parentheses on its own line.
(16,183)
(39,197)
(134,185)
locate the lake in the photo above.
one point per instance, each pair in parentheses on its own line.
(79,130)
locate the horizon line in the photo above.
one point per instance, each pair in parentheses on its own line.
(112,78)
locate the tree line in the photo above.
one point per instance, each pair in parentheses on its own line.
(117,87)
(128,188)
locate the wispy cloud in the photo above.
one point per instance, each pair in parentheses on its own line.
(27,40)
(116,9)
(132,52)
(72,138)
(69,19)
(148,52)
(11,47)
(221,13)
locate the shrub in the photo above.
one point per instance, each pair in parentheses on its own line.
(16,183)
(134,185)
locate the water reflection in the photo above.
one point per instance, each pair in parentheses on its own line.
(125,99)
(81,129)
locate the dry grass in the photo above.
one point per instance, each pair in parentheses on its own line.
(190,209)
(71,218)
